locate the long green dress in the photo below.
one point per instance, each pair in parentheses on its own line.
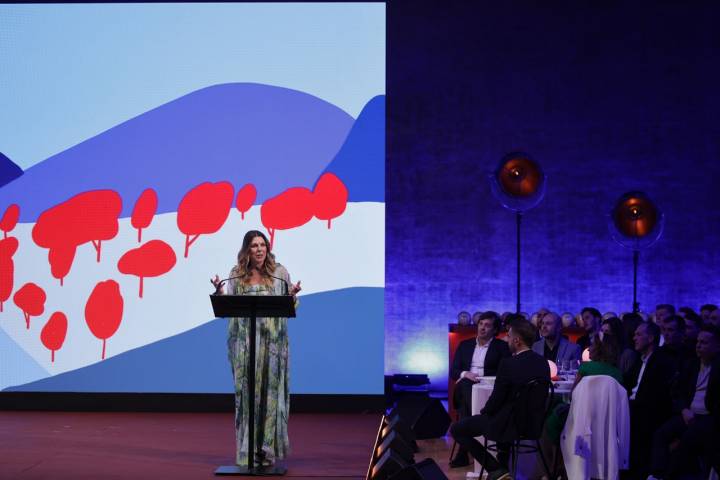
(272,383)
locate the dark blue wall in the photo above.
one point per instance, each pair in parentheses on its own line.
(608,97)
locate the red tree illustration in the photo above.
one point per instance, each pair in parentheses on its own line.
(203,210)
(144,210)
(9,219)
(86,217)
(153,259)
(292,208)
(8,247)
(61,260)
(31,300)
(330,197)
(245,198)
(53,333)
(103,310)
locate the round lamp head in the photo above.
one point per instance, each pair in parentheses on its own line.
(518,182)
(635,221)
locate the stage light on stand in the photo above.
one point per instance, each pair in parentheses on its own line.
(519,184)
(636,223)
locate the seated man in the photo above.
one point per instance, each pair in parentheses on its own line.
(691,423)
(705,312)
(497,418)
(693,323)
(673,331)
(475,358)
(552,345)
(714,318)
(663,312)
(648,383)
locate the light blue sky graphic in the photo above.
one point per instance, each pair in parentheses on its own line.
(69,72)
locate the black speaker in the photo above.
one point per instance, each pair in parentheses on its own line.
(425,470)
(393,441)
(426,416)
(388,465)
(395,423)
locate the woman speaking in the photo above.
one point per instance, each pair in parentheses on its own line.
(257,273)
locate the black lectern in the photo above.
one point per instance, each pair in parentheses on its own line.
(250,306)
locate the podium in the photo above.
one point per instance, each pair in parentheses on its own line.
(252,306)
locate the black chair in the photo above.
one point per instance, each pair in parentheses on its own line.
(532,405)
(455,418)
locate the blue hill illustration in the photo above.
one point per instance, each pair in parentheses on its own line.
(239,132)
(360,163)
(9,171)
(335,347)
(16,365)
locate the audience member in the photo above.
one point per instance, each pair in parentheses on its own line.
(630,323)
(591,323)
(552,345)
(498,419)
(648,383)
(607,315)
(604,355)
(662,312)
(476,318)
(706,310)
(475,358)
(691,423)
(693,323)
(685,311)
(627,356)
(463,318)
(567,319)
(714,318)
(673,331)
(503,319)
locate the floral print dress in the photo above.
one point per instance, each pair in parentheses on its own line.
(272,383)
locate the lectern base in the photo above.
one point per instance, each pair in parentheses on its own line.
(271,471)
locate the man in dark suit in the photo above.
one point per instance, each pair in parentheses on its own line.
(591,322)
(673,331)
(475,358)
(695,400)
(498,419)
(648,383)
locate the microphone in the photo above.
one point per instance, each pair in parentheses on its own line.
(221,283)
(287,290)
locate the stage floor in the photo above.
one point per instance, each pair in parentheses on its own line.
(59,445)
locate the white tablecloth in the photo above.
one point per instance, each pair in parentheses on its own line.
(480,393)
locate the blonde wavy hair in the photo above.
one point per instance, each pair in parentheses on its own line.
(243,270)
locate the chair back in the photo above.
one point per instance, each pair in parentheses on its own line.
(595,442)
(533,402)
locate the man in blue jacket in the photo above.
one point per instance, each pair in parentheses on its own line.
(553,346)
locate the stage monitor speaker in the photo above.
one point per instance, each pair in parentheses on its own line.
(393,441)
(395,424)
(387,466)
(425,470)
(426,416)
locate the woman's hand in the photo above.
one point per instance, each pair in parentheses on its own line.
(217,284)
(294,289)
